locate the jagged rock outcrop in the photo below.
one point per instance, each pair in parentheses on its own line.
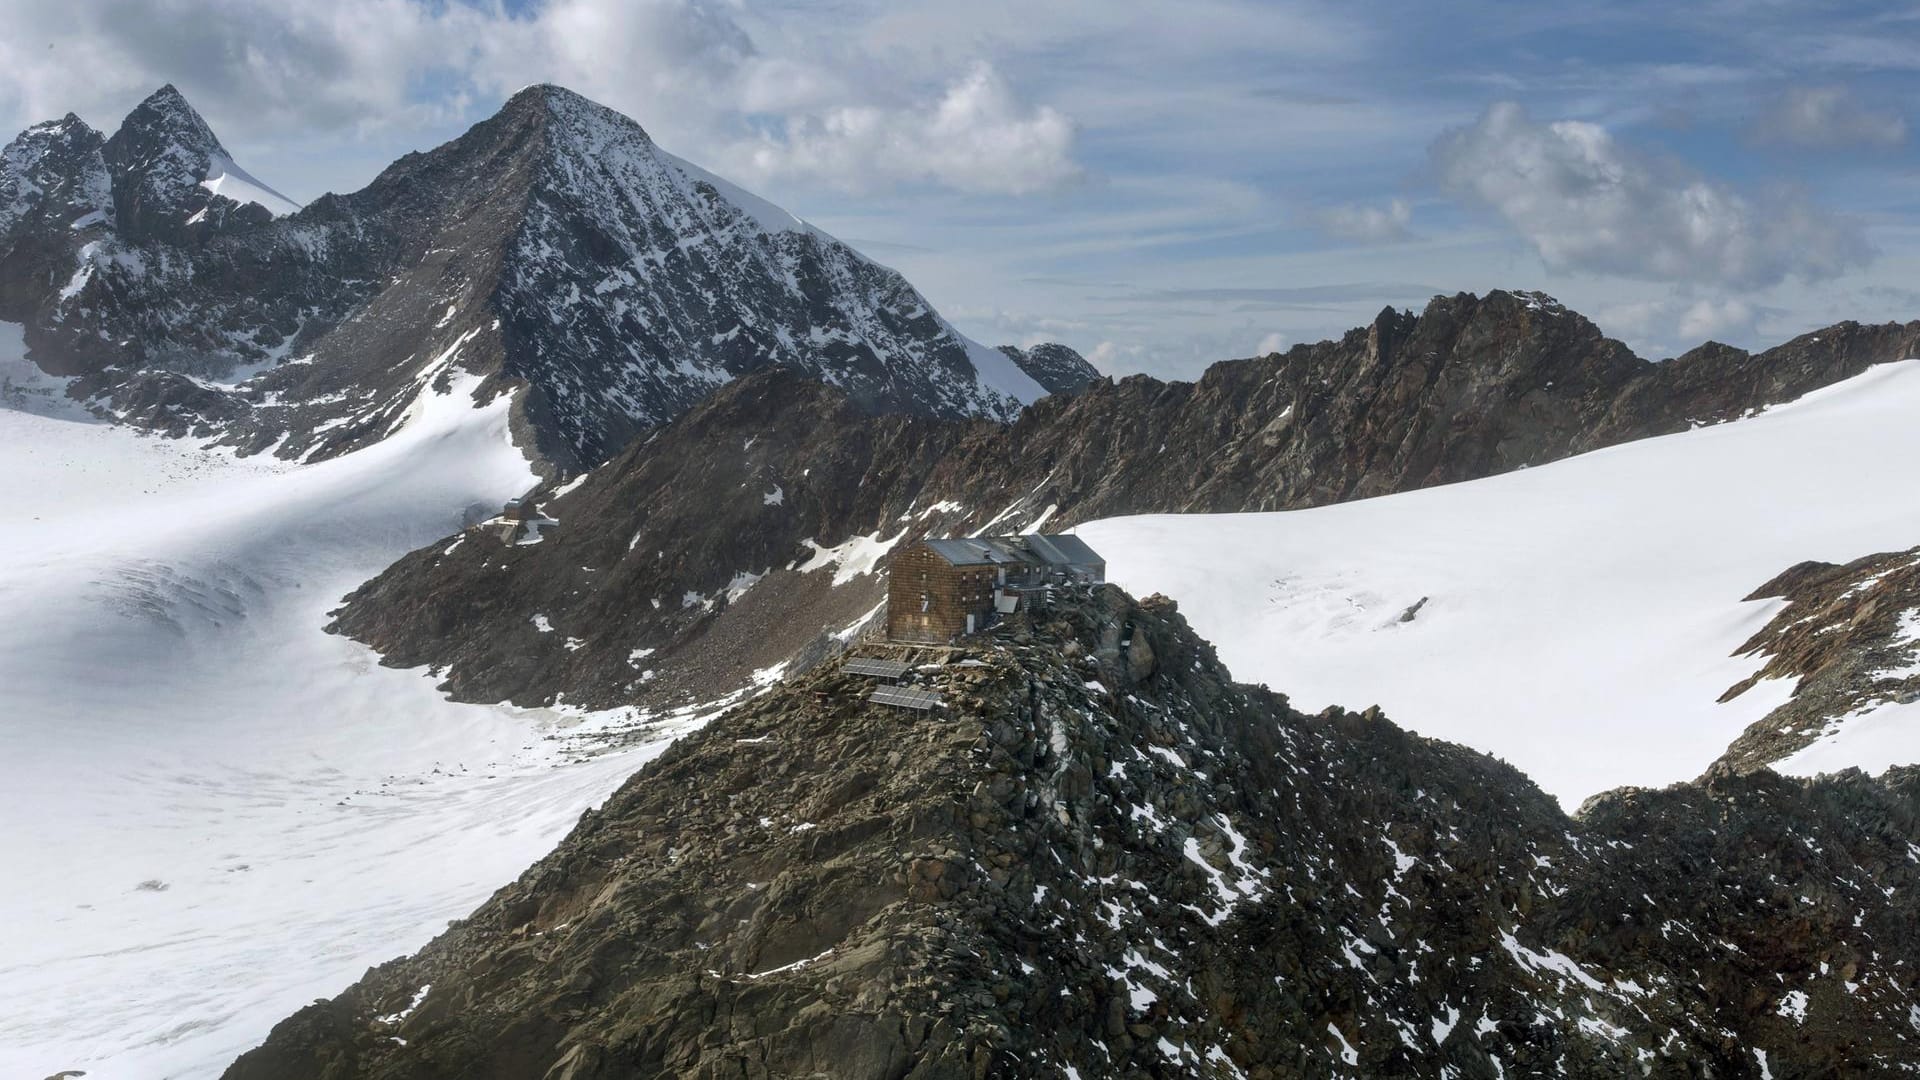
(1102,857)
(1470,387)
(553,249)
(1850,638)
(1054,366)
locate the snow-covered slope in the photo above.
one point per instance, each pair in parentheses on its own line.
(225,178)
(211,811)
(1577,618)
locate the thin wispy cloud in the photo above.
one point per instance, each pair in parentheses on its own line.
(1828,117)
(1365,224)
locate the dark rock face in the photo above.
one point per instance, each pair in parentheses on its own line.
(1103,856)
(1054,366)
(157,159)
(1471,387)
(55,193)
(1850,637)
(552,249)
(677,558)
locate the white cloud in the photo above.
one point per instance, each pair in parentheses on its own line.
(688,70)
(978,136)
(1704,319)
(1366,224)
(1828,117)
(1668,325)
(266,66)
(1111,358)
(1587,203)
(1272,343)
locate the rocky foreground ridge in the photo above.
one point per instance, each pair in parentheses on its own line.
(720,545)
(1104,858)
(553,251)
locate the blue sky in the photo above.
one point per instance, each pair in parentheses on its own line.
(1160,185)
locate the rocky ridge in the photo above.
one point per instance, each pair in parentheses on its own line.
(720,545)
(1102,857)
(1849,637)
(552,250)
(1054,366)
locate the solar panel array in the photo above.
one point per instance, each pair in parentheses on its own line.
(906,697)
(885,669)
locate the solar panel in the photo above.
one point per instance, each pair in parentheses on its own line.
(885,669)
(906,697)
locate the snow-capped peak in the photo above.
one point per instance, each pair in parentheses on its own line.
(166,161)
(54,168)
(166,115)
(593,131)
(629,251)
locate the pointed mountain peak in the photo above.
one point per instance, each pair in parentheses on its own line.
(166,164)
(576,114)
(167,115)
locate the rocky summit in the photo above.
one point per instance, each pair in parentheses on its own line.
(553,252)
(1054,366)
(747,534)
(1100,856)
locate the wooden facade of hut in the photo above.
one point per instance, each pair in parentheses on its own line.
(941,589)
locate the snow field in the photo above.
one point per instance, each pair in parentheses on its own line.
(211,812)
(1579,617)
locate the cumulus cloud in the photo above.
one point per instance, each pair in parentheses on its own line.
(1585,202)
(1828,117)
(266,65)
(978,136)
(688,70)
(1366,224)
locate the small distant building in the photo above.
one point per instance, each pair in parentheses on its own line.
(519,523)
(940,589)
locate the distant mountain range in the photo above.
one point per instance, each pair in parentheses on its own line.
(553,248)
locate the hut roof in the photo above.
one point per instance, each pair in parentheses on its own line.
(1055,550)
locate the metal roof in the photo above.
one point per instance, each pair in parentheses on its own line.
(1055,550)
(906,697)
(885,669)
(973,551)
(1063,549)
